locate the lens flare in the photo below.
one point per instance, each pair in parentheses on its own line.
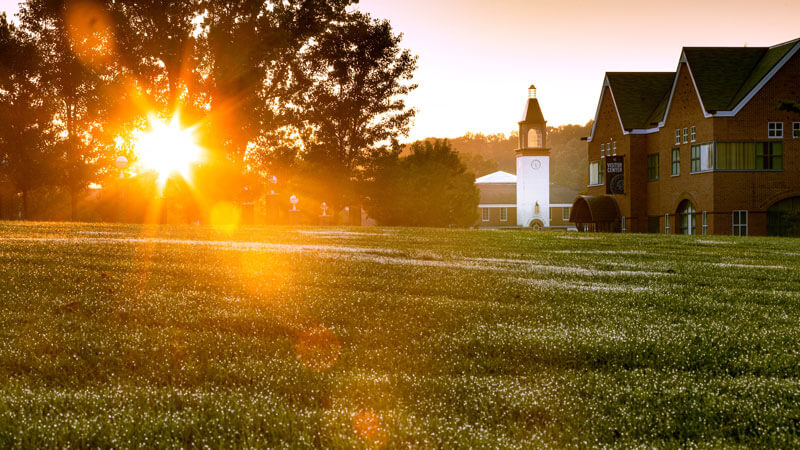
(90,32)
(169,149)
(225,217)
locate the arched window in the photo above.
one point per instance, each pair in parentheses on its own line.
(688,218)
(534,139)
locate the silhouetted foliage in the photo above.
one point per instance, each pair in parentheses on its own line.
(428,187)
(27,157)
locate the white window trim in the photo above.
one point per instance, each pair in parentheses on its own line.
(705,222)
(685,135)
(666,223)
(503,214)
(778,130)
(678,136)
(614,148)
(693,134)
(485,215)
(567,210)
(795,130)
(745,225)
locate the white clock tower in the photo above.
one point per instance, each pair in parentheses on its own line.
(533,167)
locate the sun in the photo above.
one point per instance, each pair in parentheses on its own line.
(168,148)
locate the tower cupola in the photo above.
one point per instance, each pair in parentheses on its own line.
(532,127)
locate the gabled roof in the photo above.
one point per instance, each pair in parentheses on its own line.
(497,177)
(638,95)
(719,72)
(726,78)
(533,113)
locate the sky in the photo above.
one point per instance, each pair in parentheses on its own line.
(478,57)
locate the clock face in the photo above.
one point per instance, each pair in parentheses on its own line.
(536,164)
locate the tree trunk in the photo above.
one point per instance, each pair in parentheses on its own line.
(25,214)
(73,205)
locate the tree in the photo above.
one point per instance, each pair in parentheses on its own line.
(361,77)
(429,187)
(76,47)
(26,158)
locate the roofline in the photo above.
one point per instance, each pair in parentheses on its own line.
(706,114)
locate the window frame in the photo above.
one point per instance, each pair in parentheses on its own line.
(565,212)
(602,150)
(614,148)
(693,134)
(678,136)
(653,157)
(762,151)
(743,226)
(676,162)
(775,132)
(485,215)
(685,135)
(795,130)
(705,222)
(503,214)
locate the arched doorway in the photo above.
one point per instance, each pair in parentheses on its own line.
(537,225)
(687,218)
(783,218)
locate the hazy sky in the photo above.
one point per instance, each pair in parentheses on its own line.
(477,57)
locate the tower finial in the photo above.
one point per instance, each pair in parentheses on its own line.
(532,92)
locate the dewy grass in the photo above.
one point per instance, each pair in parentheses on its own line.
(125,336)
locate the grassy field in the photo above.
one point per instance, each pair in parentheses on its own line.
(130,336)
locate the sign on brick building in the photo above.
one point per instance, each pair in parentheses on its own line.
(615,175)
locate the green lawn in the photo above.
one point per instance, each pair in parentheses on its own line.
(175,337)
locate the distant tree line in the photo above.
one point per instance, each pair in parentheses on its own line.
(484,154)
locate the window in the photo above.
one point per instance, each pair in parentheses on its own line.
(702,158)
(602,150)
(676,162)
(693,134)
(503,214)
(705,222)
(666,223)
(652,167)
(623,225)
(485,213)
(775,130)
(614,148)
(796,130)
(740,223)
(685,135)
(687,218)
(596,173)
(749,156)
(565,213)
(678,137)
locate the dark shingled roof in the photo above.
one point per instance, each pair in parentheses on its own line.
(721,71)
(639,94)
(533,113)
(724,77)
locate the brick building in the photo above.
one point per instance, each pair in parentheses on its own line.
(712,148)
